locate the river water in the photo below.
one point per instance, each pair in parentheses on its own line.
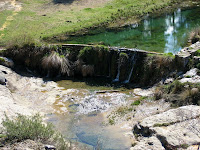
(168,33)
(81,113)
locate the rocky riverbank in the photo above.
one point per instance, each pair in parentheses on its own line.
(173,129)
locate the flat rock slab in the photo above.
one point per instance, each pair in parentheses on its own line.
(148,144)
(173,128)
(172,116)
(186,132)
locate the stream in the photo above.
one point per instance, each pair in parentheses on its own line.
(168,33)
(80,114)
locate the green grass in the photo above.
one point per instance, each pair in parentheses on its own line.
(136,103)
(3,16)
(31,21)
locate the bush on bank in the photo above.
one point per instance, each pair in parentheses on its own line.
(31,127)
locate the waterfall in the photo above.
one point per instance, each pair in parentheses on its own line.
(118,72)
(133,61)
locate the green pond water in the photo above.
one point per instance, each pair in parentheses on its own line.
(168,33)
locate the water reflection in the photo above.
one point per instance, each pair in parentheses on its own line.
(162,34)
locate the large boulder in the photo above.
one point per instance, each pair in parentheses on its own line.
(173,128)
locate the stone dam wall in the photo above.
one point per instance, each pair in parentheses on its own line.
(119,64)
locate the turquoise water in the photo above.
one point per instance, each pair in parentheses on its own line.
(168,33)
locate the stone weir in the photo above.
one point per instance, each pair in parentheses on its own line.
(119,64)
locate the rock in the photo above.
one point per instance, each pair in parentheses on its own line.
(50,147)
(144,92)
(194,147)
(191,73)
(191,76)
(170,80)
(148,144)
(172,116)
(186,132)
(173,128)
(3,80)
(194,91)
(6,62)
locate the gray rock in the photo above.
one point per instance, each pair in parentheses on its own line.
(2,80)
(174,127)
(192,72)
(172,116)
(169,80)
(151,143)
(191,76)
(50,147)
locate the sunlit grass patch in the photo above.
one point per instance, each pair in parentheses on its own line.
(42,20)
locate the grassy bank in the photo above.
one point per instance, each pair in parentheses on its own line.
(42,19)
(3,16)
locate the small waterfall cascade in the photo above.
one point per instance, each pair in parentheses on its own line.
(118,72)
(133,61)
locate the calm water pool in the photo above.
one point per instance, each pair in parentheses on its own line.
(163,34)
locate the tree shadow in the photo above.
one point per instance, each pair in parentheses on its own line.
(62,1)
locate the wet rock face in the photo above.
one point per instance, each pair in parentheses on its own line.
(173,128)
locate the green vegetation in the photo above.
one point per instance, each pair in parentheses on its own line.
(24,127)
(197,53)
(135,103)
(124,110)
(41,19)
(2,60)
(184,146)
(169,55)
(111,121)
(179,94)
(3,17)
(124,55)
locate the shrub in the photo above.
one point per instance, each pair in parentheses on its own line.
(27,128)
(174,88)
(24,127)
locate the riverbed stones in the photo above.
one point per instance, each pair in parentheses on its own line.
(172,128)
